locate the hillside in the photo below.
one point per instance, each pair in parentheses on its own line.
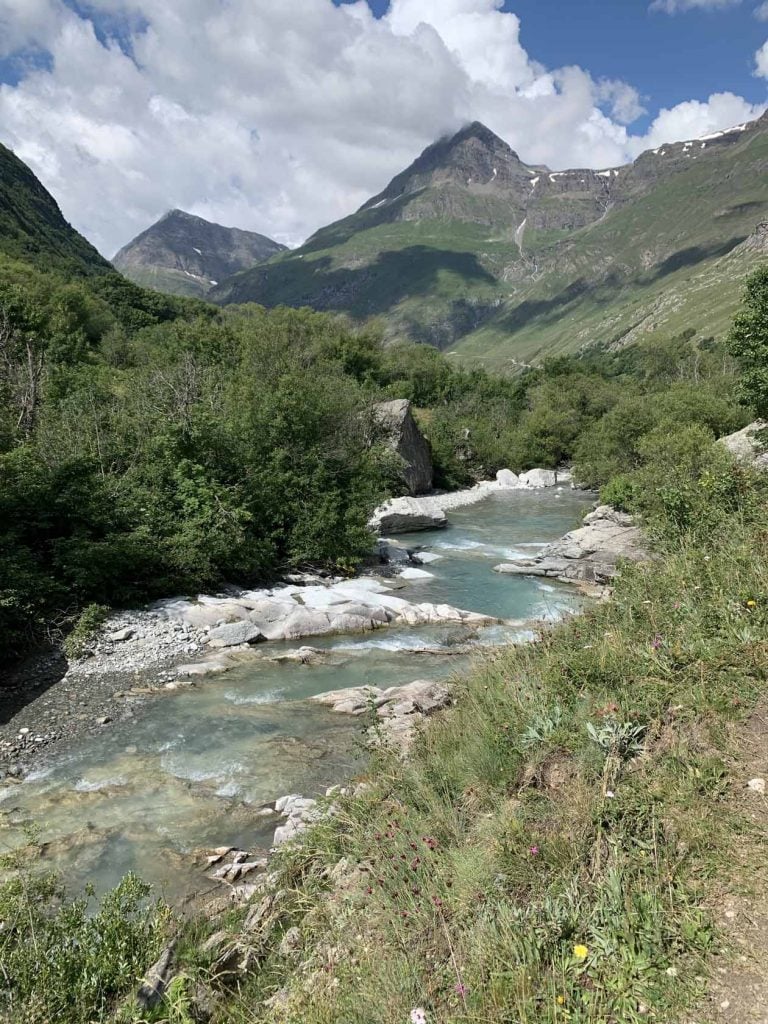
(186,255)
(32,227)
(472,249)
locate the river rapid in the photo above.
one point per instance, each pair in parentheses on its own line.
(197,767)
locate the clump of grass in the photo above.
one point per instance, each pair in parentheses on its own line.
(545,854)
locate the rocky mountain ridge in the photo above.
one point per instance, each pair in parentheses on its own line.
(472,248)
(187,255)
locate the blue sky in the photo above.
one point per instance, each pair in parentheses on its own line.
(668,58)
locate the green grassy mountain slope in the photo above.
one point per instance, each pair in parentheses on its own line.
(32,227)
(186,255)
(472,249)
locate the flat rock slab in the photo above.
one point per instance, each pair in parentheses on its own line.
(590,554)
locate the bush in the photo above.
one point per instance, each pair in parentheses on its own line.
(85,629)
(72,961)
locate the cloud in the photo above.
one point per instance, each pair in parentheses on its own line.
(761,12)
(680,6)
(761,61)
(692,119)
(281,117)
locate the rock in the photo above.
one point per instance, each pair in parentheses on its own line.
(404,437)
(507,479)
(756,785)
(392,553)
(291,942)
(590,554)
(235,634)
(425,557)
(24,732)
(406,515)
(537,478)
(300,623)
(302,656)
(156,980)
(121,635)
(104,720)
(745,447)
(416,574)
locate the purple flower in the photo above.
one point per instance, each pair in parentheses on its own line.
(534,850)
(461,989)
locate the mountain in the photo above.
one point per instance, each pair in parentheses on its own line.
(32,227)
(472,249)
(186,255)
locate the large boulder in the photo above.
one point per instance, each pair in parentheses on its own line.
(234,634)
(590,554)
(396,420)
(536,478)
(744,446)
(406,515)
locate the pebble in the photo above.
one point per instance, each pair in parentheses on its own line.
(756,785)
(103,720)
(24,732)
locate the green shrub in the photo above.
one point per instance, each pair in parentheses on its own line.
(91,619)
(73,961)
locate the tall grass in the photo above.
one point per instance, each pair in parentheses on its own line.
(546,853)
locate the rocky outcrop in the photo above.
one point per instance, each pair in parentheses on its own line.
(398,709)
(590,554)
(745,447)
(406,440)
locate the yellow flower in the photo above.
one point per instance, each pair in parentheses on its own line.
(560,1000)
(751,604)
(580,952)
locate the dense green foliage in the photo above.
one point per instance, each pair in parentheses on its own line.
(749,342)
(151,444)
(74,964)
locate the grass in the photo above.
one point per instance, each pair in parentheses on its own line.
(574,800)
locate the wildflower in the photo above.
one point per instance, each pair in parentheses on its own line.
(534,850)
(461,989)
(561,1000)
(419,1016)
(609,794)
(658,640)
(580,952)
(751,603)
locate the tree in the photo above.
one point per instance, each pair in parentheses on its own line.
(749,343)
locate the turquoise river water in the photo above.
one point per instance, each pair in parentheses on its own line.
(197,765)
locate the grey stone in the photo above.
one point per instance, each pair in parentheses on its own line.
(537,478)
(121,635)
(234,634)
(157,979)
(406,440)
(406,515)
(590,554)
(507,479)
(745,446)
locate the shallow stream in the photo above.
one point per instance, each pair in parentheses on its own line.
(197,766)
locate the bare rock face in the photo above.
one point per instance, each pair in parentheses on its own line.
(744,445)
(588,555)
(396,419)
(408,515)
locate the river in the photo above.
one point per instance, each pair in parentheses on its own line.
(197,767)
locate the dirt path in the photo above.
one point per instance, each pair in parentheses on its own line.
(739,988)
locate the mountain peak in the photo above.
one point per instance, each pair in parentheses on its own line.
(188,255)
(473,156)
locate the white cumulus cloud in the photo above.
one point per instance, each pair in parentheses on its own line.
(281,117)
(761,61)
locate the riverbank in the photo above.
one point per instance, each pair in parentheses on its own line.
(141,655)
(551,845)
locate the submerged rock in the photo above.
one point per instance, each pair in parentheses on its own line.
(590,554)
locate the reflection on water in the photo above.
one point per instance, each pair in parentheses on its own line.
(195,769)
